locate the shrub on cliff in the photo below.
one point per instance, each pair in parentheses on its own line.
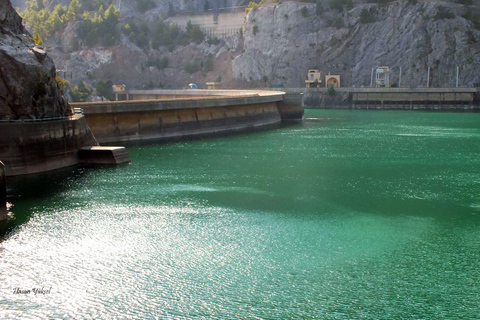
(443,13)
(366,16)
(193,66)
(465,2)
(253,6)
(81,92)
(473,17)
(340,4)
(37,39)
(304,12)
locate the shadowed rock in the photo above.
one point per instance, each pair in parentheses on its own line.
(28,86)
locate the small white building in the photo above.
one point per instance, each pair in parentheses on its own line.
(314,79)
(382,77)
(332,80)
(120,92)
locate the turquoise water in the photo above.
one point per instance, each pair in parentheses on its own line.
(350,215)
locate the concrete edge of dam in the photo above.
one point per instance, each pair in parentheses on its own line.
(29,147)
(163,115)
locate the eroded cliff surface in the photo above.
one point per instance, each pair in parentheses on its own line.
(283,41)
(28,88)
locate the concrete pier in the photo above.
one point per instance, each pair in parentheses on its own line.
(103,155)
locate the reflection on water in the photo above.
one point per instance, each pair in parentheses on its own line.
(352,215)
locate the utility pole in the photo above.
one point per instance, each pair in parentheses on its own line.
(428,77)
(456,83)
(371,79)
(400,78)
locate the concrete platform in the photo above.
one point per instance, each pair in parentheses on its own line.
(103,155)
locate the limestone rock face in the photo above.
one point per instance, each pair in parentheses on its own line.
(283,41)
(28,88)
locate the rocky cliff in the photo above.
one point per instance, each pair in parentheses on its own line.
(28,89)
(281,41)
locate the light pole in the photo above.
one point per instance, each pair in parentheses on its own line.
(428,77)
(456,83)
(371,79)
(400,78)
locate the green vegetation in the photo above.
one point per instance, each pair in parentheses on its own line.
(341,4)
(380,1)
(193,66)
(334,42)
(473,17)
(81,92)
(162,34)
(255,29)
(198,65)
(158,63)
(45,22)
(253,6)
(105,89)
(37,39)
(209,63)
(470,37)
(366,16)
(338,23)
(304,12)
(331,91)
(465,2)
(62,83)
(145,5)
(318,8)
(92,5)
(443,13)
(100,28)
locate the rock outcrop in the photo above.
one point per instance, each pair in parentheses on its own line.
(282,42)
(28,86)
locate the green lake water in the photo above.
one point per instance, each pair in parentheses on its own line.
(350,215)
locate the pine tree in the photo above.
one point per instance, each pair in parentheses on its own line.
(37,39)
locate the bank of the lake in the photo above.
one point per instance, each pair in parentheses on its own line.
(350,215)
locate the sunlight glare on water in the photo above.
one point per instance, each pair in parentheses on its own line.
(350,215)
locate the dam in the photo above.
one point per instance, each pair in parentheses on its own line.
(441,99)
(163,115)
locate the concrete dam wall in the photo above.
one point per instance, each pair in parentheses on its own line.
(28,147)
(149,115)
(393,98)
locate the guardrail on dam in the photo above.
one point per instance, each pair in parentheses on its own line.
(170,114)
